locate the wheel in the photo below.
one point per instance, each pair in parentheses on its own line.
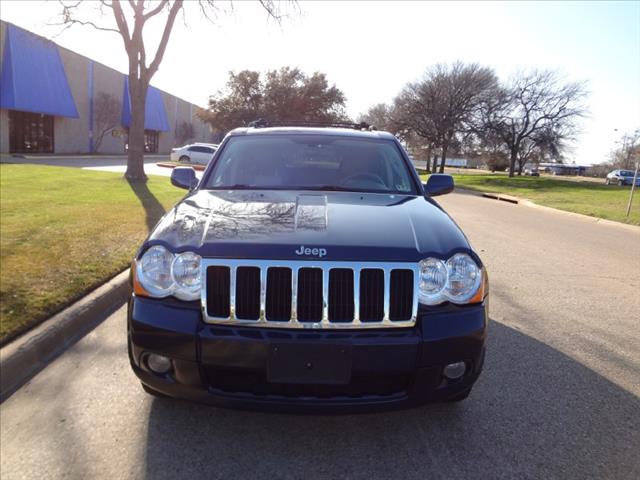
(459,397)
(185,159)
(620,183)
(152,392)
(607,181)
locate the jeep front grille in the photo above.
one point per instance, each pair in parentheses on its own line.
(309,294)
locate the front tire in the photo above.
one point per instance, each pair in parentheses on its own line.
(184,159)
(620,183)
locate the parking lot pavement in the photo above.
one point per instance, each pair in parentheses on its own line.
(559,397)
(150,168)
(79,161)
(103,163)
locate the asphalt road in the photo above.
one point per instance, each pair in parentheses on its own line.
(559,397)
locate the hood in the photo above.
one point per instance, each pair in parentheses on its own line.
(304,225)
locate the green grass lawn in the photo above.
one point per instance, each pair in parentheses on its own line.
(64,231)
(586,197)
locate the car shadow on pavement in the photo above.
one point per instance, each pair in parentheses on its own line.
(152,207)
(535,412)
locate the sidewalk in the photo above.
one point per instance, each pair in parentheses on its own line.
(72,160)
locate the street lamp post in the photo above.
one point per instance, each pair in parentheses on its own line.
(633,187)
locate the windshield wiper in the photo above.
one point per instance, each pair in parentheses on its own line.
(330,188)
(235,186)
(326,188)
(334,188)
(244,186)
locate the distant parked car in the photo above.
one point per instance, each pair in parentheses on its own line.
(621,177)
(199,153)
(532,172)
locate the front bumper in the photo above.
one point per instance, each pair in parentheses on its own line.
(227,365)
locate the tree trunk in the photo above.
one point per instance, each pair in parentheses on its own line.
(512,161)
(428,160)
(445,147)
(135,160)
(434,168)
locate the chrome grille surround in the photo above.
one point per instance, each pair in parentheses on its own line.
(325,266)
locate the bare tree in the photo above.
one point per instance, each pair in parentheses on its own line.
(378,116)
(445,103)
(106,117)
(628,151)
(130,21)
(392,118)
(185,132)
(539,111)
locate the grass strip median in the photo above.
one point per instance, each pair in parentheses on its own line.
(64,231)
(585,197)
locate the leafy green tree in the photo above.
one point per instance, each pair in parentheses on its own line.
(279,96)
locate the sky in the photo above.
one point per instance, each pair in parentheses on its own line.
(370,50)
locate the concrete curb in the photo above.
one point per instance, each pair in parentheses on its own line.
(21,359)
(499,196)
(171,165)
(530,204)
(603,221)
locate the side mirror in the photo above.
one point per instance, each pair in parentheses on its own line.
(438,184)
(184,177)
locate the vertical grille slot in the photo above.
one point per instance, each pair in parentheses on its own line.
(341,307)
(218,290)
(371,295)
(248,293)
(309,295)
(304,294)
(278,301)
(401,295)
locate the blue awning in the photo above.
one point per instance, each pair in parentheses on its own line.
(33,78)
(155,116)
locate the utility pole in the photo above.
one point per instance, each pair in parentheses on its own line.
(633,187)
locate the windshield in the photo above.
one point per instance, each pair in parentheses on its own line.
(626,173)
(311,162)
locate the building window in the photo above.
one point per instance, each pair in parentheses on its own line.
(30,132)
(151,141)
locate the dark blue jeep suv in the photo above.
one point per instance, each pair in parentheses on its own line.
(308,270)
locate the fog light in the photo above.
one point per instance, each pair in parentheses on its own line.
(158,363)
(454,371)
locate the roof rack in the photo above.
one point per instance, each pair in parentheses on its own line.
(262,123)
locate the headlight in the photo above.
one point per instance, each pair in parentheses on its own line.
(464,278)
(161,274)
(457,280)
(186,274)
(154,271)
(433,280)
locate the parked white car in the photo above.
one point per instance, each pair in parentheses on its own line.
(199,153)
